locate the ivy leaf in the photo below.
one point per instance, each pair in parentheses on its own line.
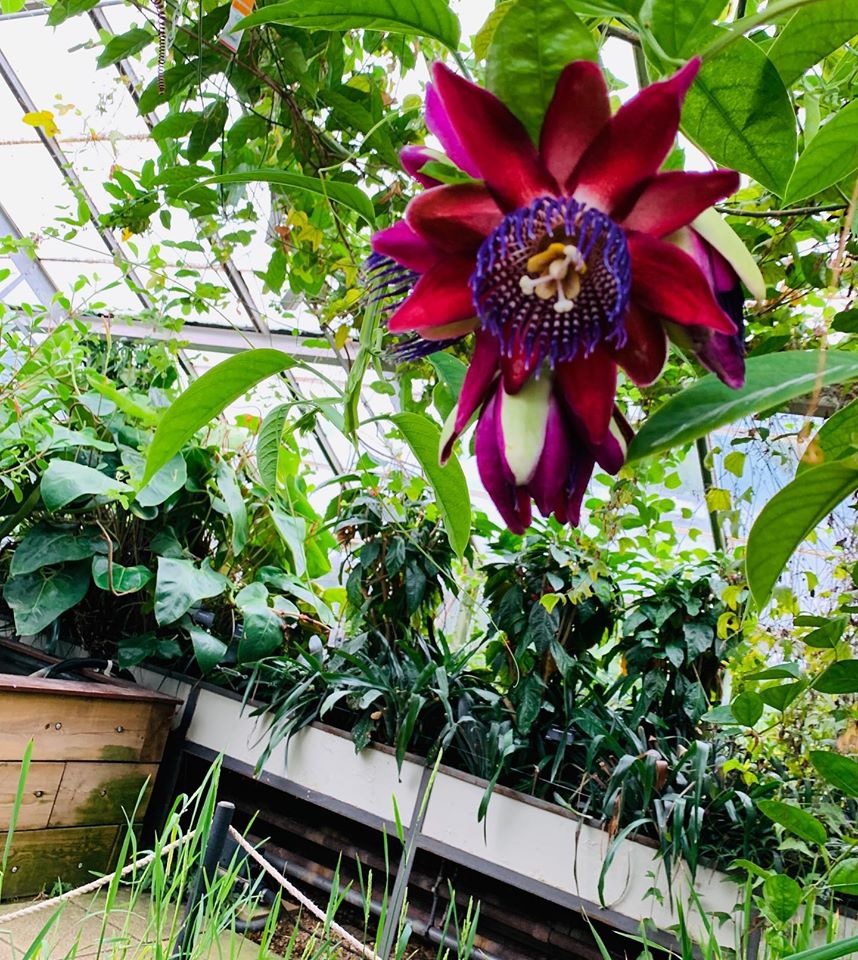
(790,517)
(770,381)
(448,482)
(531,45)
(124,45)
(831,156)
(739,112)
(811,34)
(45,545)
(122,579)
(65,481)
(208,650)
(37,599)
(167,481)
(423,18)
(207,129)
(208,396)
(180,584)
(337,191)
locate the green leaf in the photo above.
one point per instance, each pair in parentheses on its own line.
(167,481)
(45,546)
(840,772)
(770,381)
(422,18)
(208,650)
(780,671)
(293,530)
(180,584)
(738,111)
(337,191)
(836,439)
(840,677)
(530,46)
(228,487)
(483,37)
(747,708)
(263,629)
(794,819)
(122,579)
(209,396)
(175,126)
(782,896)
(268,444)
(38,598)
(62,10)
(451,370)
(680,25)
(782,695)
(790,517)
(124,45)
(65,481)
(448,482)
(827,635)
(831,156)
(207,129)
(844,876)
(811,34)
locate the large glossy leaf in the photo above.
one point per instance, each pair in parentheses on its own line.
(831,156)
(209,396)
(180,584)
(448,482)
(38,598)
(45,545)
(337,191)
(794,819)
(530,46)
(125,45)
(811,34)
(207,129)
(839,771)
(680,25)
(839,677)
(262,632)
(425,18)
(167,481)
(293,530)
(268,444)
(739,112)
(836,439)
(783,896)
(118,579)
(770,381)
(208,650)
(790,517)
(65,481)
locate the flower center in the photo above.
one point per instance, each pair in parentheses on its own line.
(553,279)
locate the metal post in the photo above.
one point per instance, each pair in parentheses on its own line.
(703,451)
(218,832)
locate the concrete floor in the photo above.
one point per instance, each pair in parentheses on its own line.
(77,933)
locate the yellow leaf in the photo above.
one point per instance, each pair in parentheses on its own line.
(341,336)
(718,499)
(127,234)
(43,119)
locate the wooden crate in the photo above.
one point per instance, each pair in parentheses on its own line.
(96,749)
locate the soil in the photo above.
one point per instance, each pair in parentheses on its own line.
(310,934)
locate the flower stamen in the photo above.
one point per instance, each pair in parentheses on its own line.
(552,265)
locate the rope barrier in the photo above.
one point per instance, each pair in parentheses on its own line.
(94,885)
(305,902)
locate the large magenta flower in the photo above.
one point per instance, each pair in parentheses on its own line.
(568,261)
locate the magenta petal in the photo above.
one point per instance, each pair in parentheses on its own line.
(577,113)
(512,503)
(669,283)
(589,386)
(611,454)
(633,145)
(723,355)
(439,123)
(403,245)
(499,145)
(581,473)
(644,353)
(413,158)
(549,482)
(440,297)
(672,200)
(482,371)
(455,217)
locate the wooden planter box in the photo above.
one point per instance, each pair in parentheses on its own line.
(96,749)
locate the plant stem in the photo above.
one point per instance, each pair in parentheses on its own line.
(741,27)
(788,212)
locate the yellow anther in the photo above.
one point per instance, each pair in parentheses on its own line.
(541,261)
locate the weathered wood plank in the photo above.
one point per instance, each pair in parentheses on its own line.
(80,728)
(40,790)
(39,858)
(102,690)
(102,793)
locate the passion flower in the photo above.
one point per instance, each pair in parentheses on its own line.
(567,261)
